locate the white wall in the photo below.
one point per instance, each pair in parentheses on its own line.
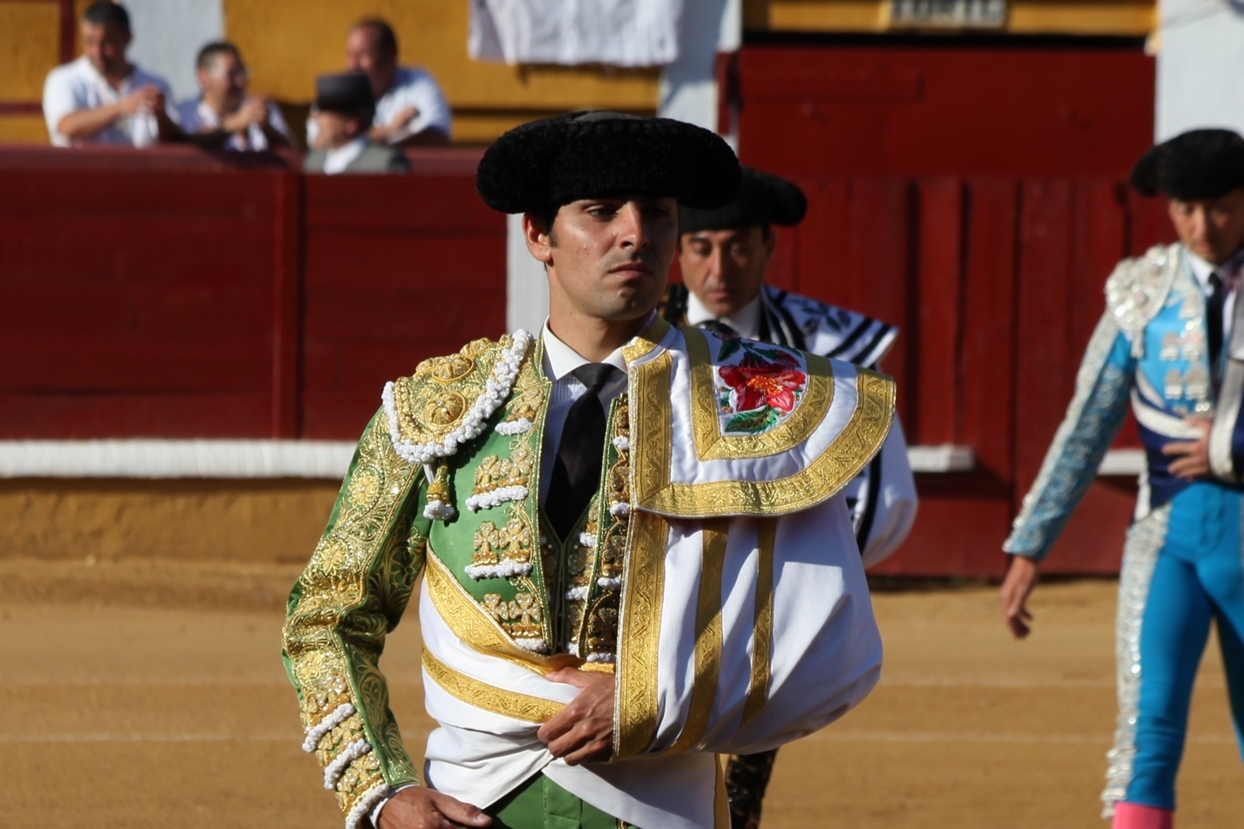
(168,35)
(688,92)
(1200,66)
(688,89)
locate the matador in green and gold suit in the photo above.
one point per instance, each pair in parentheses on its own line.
(713,577)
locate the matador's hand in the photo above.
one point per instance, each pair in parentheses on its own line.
(583,730)
(1021,578)
(422,808)
(1191,458)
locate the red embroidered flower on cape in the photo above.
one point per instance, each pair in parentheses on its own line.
(758,383)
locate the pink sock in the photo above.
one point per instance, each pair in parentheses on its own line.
(1135,816)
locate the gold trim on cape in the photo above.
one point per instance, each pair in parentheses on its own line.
(645,341)
(846,455)
(708,636)
(762,630)
(711,444)
(480,694)
(639,633)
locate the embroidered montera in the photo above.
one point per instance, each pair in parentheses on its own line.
(760,388)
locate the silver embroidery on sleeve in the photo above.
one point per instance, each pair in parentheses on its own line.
(1140,554)
(1094,414)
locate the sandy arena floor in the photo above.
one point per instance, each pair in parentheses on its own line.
(151,695)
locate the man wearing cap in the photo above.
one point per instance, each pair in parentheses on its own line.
(634,549)
(1171,342)
(723,255)
(343,110)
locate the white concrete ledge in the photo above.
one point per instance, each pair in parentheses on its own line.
(939,459)
(323,459)
(174,458)
(1129,462)
(154,459)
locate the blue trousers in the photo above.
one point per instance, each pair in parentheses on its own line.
(1178,580)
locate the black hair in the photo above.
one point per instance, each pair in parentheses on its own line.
(207,55)
(106,13)
(544,219)
(384,34)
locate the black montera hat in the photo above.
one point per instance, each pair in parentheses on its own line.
(763,199)
(346,92)
(1198,164)
(545,164)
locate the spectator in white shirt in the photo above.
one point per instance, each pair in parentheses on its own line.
(410,109)
(102,98)
(224,116)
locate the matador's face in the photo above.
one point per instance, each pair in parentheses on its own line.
(609,258)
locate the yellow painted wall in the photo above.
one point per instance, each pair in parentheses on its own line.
(1057,17)
(487,98)
(28,46)
(286,43)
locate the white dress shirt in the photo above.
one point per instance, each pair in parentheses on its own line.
(560,361)
(78,85)
(745,321)
(336,161)
(412,87)
(1228,272)
(196,116)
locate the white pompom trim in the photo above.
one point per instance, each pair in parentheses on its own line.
(334,770)
(499,496)
(496,390)
(577,594)
(438,510)
(610,583)
(334,719)
(364,805)
(602,657)
(622,443)
(534,645)
(514,427)
(587,540)
(502,570)
(620,509)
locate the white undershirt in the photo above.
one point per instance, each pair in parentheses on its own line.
(336,161)
(745,321)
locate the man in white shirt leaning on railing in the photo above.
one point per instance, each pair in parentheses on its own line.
(103,98)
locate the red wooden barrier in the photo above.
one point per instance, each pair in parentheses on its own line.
(194,300)
(167,294)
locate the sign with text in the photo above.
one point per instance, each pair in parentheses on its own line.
(948,14)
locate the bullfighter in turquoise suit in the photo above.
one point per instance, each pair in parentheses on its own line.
(1171,344)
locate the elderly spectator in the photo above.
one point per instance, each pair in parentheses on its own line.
(102,98)
(344,107)
(224,115)
(410,109)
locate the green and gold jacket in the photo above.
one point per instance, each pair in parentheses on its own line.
(444,483)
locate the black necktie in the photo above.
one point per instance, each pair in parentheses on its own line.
(576,472)
(1213,312)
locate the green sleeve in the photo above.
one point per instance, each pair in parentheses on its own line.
(352,593)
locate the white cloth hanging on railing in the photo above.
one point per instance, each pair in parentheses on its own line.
(570,32)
